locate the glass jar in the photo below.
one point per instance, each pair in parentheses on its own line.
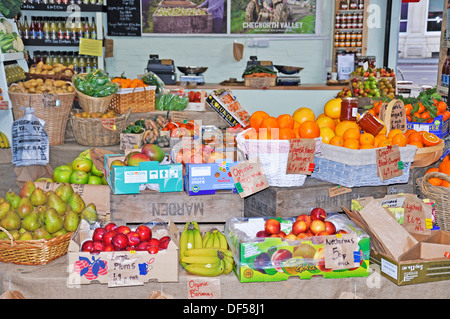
(343,5)
(349,109)
(370,123)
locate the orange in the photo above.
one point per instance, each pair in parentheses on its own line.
(435,181)
(446,115)
(320,115)
(444,167)
(418,144)
(425,115)
(408,108)
(394,132)
(327,134)
(366,139)
(325,121)
(269,122)
(341,127)
(304,114)
(309,129)
(384,143)
(296,126)
(383,130)
(421,108)
(256,118)
(286,133)
(251,134)
(444,183)
(400,140)
(377,107)
(446,158)
(430,139)
(365,146)
(414,137)
(351,143)
(333,108)
(441,106)
(352,133)
(409,132)
(285,121)
(432,169)
(337,141)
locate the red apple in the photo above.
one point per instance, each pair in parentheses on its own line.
(133,238)
(262,233)
(110,226)
(119,241)
(272,226)
(153,242)
(299,226)
(123,229)
(145,233)
(98,234)
(87,246)
(329,227)
(317,226)
(153,249)
(318,214)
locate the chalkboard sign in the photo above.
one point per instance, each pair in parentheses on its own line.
(124,17)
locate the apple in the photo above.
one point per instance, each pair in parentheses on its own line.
(133,238)
(299,226)
(107,237)
(153,249)
(329,227)
(98,234)
(87,246)
(305,218)
(110,226)
(119,241)
(318,214)
(117,163)
(61,174)
(94,180)
(95,171)
(317,226)
(145,233)
(262,233)
(134,158)
(79,177)
(45,179)
(82,164)
(272,226)
(302,235)
(341,231)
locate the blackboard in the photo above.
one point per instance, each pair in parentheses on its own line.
(124,17)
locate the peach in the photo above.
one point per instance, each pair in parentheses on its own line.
(317,226)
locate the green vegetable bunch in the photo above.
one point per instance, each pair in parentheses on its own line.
(135,127)
(95,84)
(171,102)
(428,99)
(151,78)
(258,69)
(10,8)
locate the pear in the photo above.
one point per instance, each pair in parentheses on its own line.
(11,220)
(25,207)
(41,233)
(4,207)
(38,197)
(71,221)
(4,236)
(12,198)
(64,191)
(27,189)
(15,234)
(60,232)
(54,201)
(89,213)
(76,203)
(26,236)
(52,220)
(31,222)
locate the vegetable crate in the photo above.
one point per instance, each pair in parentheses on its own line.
(139,99)
(437,127)
(223,102)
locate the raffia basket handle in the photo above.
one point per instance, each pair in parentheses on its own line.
(14,85)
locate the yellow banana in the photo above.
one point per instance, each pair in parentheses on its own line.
(207,270)
(212,252)
(4,139)
(195,224)
(205,238)
(183,245)
(223,240)
(200,259)
(216,243)
(209,242)
(198,241)
(190,241)
(228,264)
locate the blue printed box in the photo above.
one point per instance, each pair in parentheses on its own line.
(208,178)
(437,127)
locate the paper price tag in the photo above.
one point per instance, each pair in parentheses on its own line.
(417,217)
(341,251)
(123,270)
(301,156)
(338,190)
(199,287)
(249,177)
(91,47)
(388,160)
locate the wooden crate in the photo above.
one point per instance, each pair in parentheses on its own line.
(177,207)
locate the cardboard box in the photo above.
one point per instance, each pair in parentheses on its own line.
(131,141)
(208,178)
(223,102)
(122,268)
(277,259)
(425,262)
(5,156)
(132,179)
(437,127)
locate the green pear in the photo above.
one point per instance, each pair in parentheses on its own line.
(76,203)
(4,207)
(25,207)
(64,191)
(4,236)
(15,234)
(27,189)
(32,221)
(26,236)
(71,221)
(41,233)
(89,213)
(11,221)
(12,198)
(38,197)
(60,232)
(52,220)
(54,201)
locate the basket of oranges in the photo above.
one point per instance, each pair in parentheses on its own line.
(435,185)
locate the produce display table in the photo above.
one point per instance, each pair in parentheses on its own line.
(50,282)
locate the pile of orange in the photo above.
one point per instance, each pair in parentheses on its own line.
(444,167)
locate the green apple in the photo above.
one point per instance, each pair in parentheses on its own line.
(44,179)
(79,177)
(62,173)
(82,164)
(86,153)
(95,171)
(94,180)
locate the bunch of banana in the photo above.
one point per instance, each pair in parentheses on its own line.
(208,256)
(4,143)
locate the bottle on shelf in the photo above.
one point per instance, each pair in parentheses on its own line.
(53,29)
(81,64)
(46,29)
(39,29)
(31,31)
(75,62)
(93,29)
(86,29)
(353,5)
(61,29)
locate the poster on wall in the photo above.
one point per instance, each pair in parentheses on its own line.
(273,17)
(184,16)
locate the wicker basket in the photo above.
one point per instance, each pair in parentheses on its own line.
(98,131)
(33,252)
(440,195)
(141,99)
(45,108)
(94,104)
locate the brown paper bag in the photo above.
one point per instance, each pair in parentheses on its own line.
(238,51)
(32,172)
(12,295)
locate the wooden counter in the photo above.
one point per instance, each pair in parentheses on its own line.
(213,86)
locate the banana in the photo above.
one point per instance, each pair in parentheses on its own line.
(210,240)
(4,143)
(190,241)
(207,270)
(195,224)
(198,241)
(206,238)
(200,259)
(208,252)
(223,240)
(183,244)
(216,243)
(228,265)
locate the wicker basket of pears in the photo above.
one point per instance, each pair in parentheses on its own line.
(36,225)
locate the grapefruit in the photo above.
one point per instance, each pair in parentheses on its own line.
(304,114)
(341,127)
(327,134)
(333,108)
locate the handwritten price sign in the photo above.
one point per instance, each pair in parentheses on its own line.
(301,156)
(416,217)
(341,251)
(249,177)
(389,164)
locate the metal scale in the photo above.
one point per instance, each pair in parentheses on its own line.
(163,68)
(289,75)
(192,74)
